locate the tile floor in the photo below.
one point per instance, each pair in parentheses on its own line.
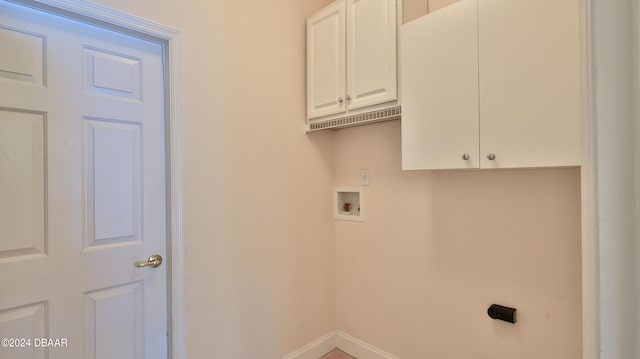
(337,354)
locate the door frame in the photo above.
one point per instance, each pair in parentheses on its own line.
(588,184)
(605,157)
(171,40)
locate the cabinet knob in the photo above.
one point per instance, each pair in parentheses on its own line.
(348,98)
(465,156)
(340,100)
(491,156)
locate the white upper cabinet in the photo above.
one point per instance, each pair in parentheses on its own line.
(351,58)
(492,84)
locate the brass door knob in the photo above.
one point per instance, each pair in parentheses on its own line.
(154,262)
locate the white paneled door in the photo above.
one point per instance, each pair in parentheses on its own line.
(82,191)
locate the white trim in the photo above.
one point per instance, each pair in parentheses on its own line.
(343,341)
(315,349)
(590,252)
(360,349)
(102,15)
(105,16)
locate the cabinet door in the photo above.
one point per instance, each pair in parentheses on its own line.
(326,61)
(439,79)
(529,82)
(371,52)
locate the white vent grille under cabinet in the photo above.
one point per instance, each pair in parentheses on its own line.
(386,114)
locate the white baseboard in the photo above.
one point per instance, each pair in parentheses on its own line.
(358,348)
(342,341)
(315,349)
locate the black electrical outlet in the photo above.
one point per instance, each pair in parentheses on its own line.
(500,312)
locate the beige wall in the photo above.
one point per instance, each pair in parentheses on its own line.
(258,228)
(439,247)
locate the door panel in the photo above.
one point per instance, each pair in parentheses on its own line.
(112,74)
(28,321)
(82,180)
(440,89)
(112,182)
(126,303)
(25,61)
(326,61)
(529,83)
(22,184)
(371,52)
